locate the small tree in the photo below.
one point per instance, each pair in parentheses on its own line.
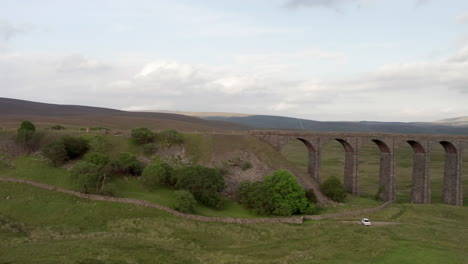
(157,173)
(150,148)
(334,189)
(97,158)
(27,136)
(127,163)
(86,176)
(75,146)
(204,183)
(185,202)
(142,136)
(55,152)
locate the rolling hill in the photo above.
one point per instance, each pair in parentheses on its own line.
(13,111)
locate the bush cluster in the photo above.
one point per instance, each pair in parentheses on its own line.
(147,138)
(66,148)
(185,202)
(27,136)
(334,189)
(278,194)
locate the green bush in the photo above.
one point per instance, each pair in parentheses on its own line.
(150,149)
(185,202)
(75,146)
(27,136)
(55,152)
(97,158)
(157,173)
(277,194)
(170,137)
(142,136)
(246,165)
(86,176)
(99,143)
(334,189)
(57,127)
(204,183)
(127,163)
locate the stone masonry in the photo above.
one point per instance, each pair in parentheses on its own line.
(387,143)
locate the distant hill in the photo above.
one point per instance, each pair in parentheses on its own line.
(458,121)
(288,123)
(13,111)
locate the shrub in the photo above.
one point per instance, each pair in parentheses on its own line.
(99,143)
(86,176)
(55,152)
(97,158)
(170,137)
(27,135)
(150,148)
(75,146)
(185,202)
(334,189)
(142,136)
(246,165)
(277,194)
(158,173)
(57,127)
(127,163)
(204,183)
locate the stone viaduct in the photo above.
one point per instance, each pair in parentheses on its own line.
(387,143)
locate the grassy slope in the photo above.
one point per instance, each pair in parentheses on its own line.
(40,226)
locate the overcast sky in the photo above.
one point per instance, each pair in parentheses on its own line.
(383,60)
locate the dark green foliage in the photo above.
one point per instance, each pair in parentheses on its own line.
(157,173)
(277,194)
(334,189)
(142,136)
(379,195)
(150,148)
(55,152)
(127,163)
(185,202)
(57,127)
(246,165)
(75,146)
(170,137)
(27,136)
(204,183)
(86,176)
(311,196)
(97,158)
(99,143)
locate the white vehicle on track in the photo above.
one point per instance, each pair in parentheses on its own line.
(366,222)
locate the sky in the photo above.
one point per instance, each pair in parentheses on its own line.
(328,60)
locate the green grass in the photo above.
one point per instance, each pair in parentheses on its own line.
(41,226)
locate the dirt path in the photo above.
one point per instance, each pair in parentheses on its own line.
(374,223)
(289,220)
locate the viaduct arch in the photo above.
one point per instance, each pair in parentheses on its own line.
(387,144)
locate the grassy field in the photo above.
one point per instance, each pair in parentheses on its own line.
(332,163)
(41,226)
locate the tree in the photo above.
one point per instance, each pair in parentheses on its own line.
(204,183)
(75,146)
(86,176)
(185,202)
(127,163)
(27,135)
(334,189)
(97,158)
(277,194)
(142,136)
(157,173)
(55,152)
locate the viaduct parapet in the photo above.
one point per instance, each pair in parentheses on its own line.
(387,143)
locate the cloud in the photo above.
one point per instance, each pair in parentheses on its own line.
(413,91)
(9,31)
(333,4)
(463,18)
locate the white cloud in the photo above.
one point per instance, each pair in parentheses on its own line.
(462,18)
(8,31)
(415,91)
